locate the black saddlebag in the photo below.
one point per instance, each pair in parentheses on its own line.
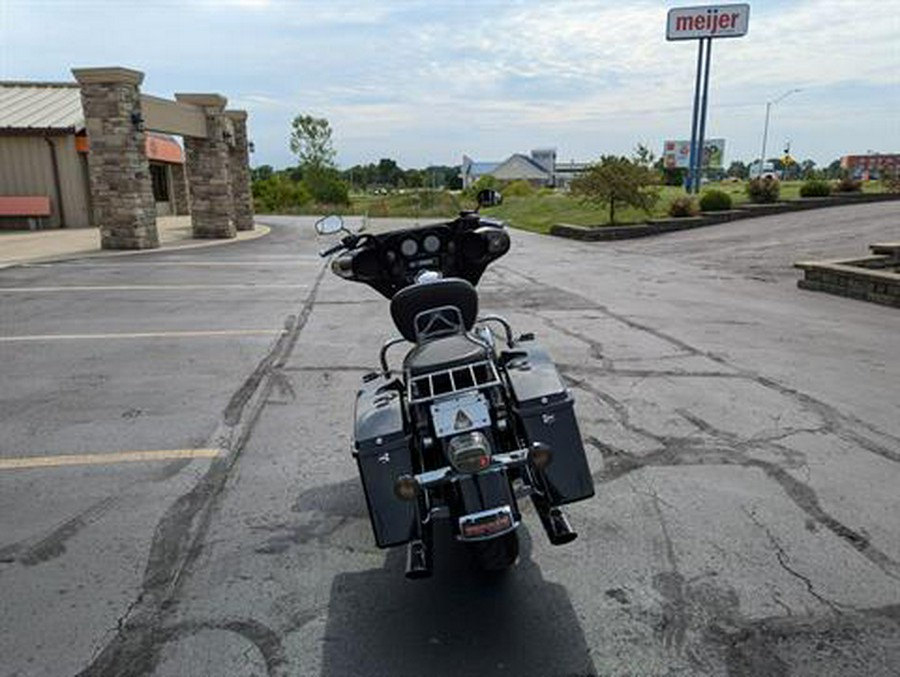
(383,453)
(545,409)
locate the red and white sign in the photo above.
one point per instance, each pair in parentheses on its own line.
(712,21)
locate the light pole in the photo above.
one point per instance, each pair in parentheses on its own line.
(762,156)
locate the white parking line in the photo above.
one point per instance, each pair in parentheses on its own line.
(140,335)
(280,261)
(147,287)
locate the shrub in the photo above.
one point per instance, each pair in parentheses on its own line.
(763,189)
(848,184)
(520,188)
(890,180)
(278,194)
(815,188)
(483,182)
(326,188)
(715,201)
(682,207)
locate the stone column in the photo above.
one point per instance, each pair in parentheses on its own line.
(207,162)
(240,171)
(180,190)
(118,170)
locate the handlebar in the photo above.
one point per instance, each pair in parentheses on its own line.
(331,250)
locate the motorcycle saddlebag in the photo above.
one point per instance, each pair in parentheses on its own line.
(546,411)
(383,452)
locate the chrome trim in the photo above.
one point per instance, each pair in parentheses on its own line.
(447,474)
(384,348)
(502,321)
(493,379)
(502,510)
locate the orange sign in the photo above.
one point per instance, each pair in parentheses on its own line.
(163,149)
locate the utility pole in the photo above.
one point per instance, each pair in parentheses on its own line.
(769,104)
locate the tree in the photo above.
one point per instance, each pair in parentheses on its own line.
(834,170)
(808,169)
(261,173)
(644,156)
(311,142)
(738,170)
(616,180)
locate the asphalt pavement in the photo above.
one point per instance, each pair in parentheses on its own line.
(177,495)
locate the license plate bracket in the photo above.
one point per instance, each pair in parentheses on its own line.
(486,524)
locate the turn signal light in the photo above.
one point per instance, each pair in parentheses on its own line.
(406,488)
(540,455)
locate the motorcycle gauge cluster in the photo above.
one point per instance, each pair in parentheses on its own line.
(432,244)
(409,247)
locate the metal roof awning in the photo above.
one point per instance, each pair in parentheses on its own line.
(40,107)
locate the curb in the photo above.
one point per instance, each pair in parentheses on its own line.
(662,226)
(259,230)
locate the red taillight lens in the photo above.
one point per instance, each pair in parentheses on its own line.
(469,453)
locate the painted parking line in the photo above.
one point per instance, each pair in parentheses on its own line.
(26,462)
(284,261)
(141,335)
(147,287)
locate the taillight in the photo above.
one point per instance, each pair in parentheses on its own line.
(469,452)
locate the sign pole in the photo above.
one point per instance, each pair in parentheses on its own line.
(703,24)
(693,154)
(703,107)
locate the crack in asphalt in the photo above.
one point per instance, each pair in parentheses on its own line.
(30,552)
(177,541)
(733,449)
(836,421)
(783,559)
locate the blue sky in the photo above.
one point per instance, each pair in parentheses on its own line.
(425,82)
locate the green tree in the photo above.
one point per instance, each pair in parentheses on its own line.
(618,180)
(644,156)
(738,170)
(326,187)
(261,173)
(311,142)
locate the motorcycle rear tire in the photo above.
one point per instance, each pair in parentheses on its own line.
(496,554)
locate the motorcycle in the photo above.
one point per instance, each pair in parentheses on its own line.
(471,422)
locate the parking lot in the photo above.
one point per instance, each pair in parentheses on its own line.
(177,495)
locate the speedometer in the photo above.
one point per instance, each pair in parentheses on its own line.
(409,247)
(432,244)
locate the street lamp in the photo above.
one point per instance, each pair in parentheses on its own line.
(762,157)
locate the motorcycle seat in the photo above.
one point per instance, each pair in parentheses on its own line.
(444,353)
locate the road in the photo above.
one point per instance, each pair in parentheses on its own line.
(744,437)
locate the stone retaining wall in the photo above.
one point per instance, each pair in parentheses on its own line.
(875,278)
(660,226)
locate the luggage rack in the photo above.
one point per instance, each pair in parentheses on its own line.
(472,376)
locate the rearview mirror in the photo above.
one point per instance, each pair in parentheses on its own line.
(489,198)
(329,225)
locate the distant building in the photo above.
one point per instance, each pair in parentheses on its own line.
(539,169)
(43,152)
(870,166)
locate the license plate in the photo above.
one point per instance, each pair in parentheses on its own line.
(487,523)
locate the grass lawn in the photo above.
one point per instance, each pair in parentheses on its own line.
(536,212)
(539,213)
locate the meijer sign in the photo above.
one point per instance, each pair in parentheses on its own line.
(713,21)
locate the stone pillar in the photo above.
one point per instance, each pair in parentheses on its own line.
(240,171)
(207,162)
(118,170)
(180,201)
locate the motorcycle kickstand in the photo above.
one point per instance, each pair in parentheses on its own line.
(419,555)
(555,522)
